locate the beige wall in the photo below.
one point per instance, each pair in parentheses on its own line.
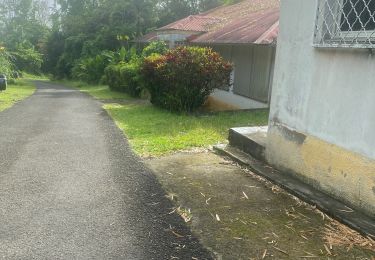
(322,120)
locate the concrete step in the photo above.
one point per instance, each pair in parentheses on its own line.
(251,140)
(357,220)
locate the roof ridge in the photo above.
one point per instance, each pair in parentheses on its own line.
(202,22)
(222,6)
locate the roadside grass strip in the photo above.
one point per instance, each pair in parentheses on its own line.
(155,132)
(16,92)
(101,92)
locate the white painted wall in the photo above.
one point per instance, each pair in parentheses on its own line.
(326,93)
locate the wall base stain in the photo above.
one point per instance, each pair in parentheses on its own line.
(213,104)
(345,175)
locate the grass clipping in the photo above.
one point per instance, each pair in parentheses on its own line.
(337,234)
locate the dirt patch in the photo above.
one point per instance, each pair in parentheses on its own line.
(238,215)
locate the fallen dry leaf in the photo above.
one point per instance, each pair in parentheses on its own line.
(176,234)
(327,249)
(264,253)
(337,234)
(280,250)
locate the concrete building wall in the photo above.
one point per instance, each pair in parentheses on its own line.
(322,120)
(253,72)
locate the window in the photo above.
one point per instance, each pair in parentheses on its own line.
(358,15)
(345,23)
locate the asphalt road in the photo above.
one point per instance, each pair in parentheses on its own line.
(71,188)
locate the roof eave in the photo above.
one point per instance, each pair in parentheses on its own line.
(232,43)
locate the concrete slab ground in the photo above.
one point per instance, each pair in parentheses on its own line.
(238,215)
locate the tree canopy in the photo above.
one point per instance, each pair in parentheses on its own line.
(51,35)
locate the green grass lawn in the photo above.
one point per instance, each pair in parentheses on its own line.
(15,92)
(155,132)
(97,91)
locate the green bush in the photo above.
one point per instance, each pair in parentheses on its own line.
(27,59)
(125,77)
(183,78)
(91,70)
(6,65)
(157,47)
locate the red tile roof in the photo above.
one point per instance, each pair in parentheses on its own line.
(250,21)
(259,28)
(195,23)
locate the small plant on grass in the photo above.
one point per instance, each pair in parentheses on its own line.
(183,78)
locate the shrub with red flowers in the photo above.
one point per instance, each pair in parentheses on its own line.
(183,78)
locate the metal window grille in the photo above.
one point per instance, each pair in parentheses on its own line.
(345,23)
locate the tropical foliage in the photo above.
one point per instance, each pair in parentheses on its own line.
(91,69)
(27,58)
(71,38)
(183,78)
(23,32)
(5,62)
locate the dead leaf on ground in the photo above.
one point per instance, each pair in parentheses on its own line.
(185,214)
(337,234)
(176,234)
(327,249)
(280,250)
(264,253)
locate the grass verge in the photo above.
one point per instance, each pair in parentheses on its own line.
(155,132)
(101,92)
(18,91)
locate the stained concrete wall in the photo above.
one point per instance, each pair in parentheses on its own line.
(322,120)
